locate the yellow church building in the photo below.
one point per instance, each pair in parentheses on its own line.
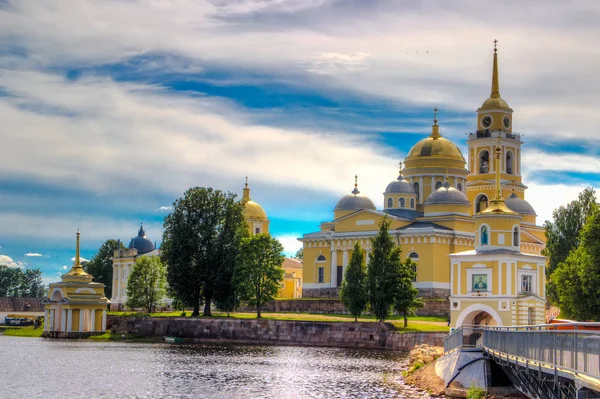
(437,209)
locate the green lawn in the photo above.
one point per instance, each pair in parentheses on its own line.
(28,331)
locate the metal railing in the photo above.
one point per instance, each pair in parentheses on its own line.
(571,347)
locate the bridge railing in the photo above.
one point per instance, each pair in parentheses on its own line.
(571,347)
(466,336)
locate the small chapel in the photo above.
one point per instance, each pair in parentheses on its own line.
(464,221)
(75,306)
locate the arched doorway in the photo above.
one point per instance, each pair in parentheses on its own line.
(478,314)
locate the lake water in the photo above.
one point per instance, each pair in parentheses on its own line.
(45,368)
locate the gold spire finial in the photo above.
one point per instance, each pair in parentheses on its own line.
(400,170)
(77,273)
(246,196)
(498,151)
(495,82)
(435,129)
(77,257)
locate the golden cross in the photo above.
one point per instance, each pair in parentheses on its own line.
(435,110)
(495,42)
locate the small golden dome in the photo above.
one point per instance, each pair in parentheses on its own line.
(495,103)
(252,210)
(436,147)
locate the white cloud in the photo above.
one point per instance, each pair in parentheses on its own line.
(336,63)
(290,243)
(81,259)
(165,208)
(8,261)
(33,254)
(64,267)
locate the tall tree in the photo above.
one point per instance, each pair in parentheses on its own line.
(200,236)
(562,234)
(406,297)
(146,283)
(32,285)
(259,272)
(353,293)
(101,267)
(577,279)
(299,254)
(382,272)
(11,281)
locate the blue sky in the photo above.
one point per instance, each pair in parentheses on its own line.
(112,109)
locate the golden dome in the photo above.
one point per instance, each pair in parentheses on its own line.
(252,210)
(435,147)
(494,103)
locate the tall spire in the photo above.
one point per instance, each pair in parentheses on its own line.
(246,196)
(77,273)
(77,257)
(355,191)
(498,188)
(495,82)
(435,129)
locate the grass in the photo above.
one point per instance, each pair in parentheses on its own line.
(415,323)
(23,331)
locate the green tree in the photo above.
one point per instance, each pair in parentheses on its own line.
(201,236)
(259,272)
(382,272)
(562,234)
(299,254)
(146,283)
(406,298)
(11,281)
(32,285)
(353,292)
(577,279)
(101,267)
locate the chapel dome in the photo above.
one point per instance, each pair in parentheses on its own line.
(252,210)
(447,195)
(519,205)
(354,201)
(400,186)
(494,103)
(141,242)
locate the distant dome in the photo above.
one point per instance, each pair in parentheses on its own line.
(400,186)
(436,146)
(141,242)
(354,201)
(252,210)
(518,205)
(447,195)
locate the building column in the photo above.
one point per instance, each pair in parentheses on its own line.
(333,276)
(344,262)
(63,321)
(420,193)
(93,321)
(46,320)
(81,319)
(115,287)
(104,320)
(52,317)
(70,320)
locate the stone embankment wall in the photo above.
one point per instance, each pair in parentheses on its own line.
(433,307)
(276,332)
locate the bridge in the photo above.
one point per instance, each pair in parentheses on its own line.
(549,361)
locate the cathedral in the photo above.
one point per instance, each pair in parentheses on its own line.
(464,222)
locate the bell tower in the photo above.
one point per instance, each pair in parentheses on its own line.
(494,128)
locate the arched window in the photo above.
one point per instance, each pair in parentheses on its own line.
(416,186)
(257,231)
(321,258)
(401,202)
(438,184)
(484,159)
(484,236)
(459,187)
(390,203)
(414,257)
(509,162)
(481,203)
(516,237)
(412,203)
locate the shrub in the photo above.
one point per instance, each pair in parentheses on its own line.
(475,392)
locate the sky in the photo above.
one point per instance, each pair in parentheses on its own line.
(111,110)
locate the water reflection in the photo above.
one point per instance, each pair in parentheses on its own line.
(50,368)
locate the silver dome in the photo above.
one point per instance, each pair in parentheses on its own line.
(447,195)
(354,202)
(400,186)
(518,205)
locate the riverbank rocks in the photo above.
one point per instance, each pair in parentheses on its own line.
(424,354)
